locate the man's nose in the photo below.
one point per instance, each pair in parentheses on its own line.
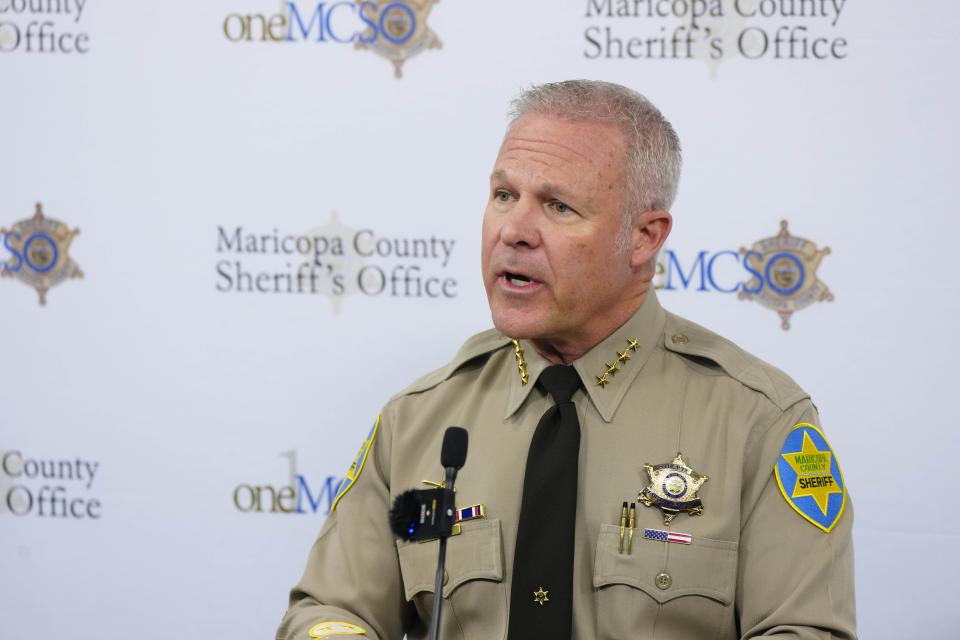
(521,224)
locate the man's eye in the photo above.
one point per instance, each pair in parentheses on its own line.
(560,207)
(502,196)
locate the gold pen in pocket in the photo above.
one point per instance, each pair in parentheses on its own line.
(632,524)
(623,524)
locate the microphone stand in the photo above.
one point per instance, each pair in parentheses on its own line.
(451,476)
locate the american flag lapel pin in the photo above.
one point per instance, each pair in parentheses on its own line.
(667,536)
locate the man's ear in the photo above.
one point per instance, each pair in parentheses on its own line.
(649,232)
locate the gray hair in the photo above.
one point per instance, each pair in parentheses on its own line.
(653,148)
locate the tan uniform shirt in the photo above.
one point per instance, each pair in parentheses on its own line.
(754,567)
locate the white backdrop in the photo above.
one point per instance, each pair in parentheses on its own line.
(185,399)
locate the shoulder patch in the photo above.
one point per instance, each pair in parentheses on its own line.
(356,468)
(809,477)
(327,629)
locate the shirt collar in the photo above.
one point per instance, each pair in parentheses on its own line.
(613,357)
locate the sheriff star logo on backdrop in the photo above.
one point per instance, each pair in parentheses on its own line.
(405,32)
(789,268)
(40,252)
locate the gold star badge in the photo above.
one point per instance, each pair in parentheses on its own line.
(603,380)
(814,478)
(673,487)
(540,596)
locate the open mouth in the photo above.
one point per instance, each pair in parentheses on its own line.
(518,279)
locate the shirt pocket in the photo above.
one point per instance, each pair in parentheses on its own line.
(664,590)
(474,596)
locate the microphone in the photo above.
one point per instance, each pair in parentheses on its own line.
(453,453)
(424,514)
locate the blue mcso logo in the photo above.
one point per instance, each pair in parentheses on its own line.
(298,495)
(38,252)
(779,272)
(396,30)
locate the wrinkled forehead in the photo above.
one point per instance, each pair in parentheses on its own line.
(538,143)
(579,134)
(550,139)
(580,163)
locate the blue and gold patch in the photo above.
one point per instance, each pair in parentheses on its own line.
(809,477)
(357,467)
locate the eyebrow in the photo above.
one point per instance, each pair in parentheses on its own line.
(547,187)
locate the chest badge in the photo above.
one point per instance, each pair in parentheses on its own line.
(673,487)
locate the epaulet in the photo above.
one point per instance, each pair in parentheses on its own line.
(690,339)
(475,346)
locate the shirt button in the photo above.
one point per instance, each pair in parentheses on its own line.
(680,338)
(446,577)
(663,581)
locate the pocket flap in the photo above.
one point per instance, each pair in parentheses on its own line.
(705,567)
(475,554)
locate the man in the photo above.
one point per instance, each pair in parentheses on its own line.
(666,485)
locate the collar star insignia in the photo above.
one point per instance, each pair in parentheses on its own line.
(814,478)
(540,596)
(611,369)
(673,488)
(521,362)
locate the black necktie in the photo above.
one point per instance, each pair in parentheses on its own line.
(541,598)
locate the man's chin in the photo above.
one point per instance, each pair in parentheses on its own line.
(519,326)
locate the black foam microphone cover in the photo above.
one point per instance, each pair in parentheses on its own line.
(454,451)
(404,513)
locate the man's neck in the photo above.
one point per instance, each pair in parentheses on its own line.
(570,350)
